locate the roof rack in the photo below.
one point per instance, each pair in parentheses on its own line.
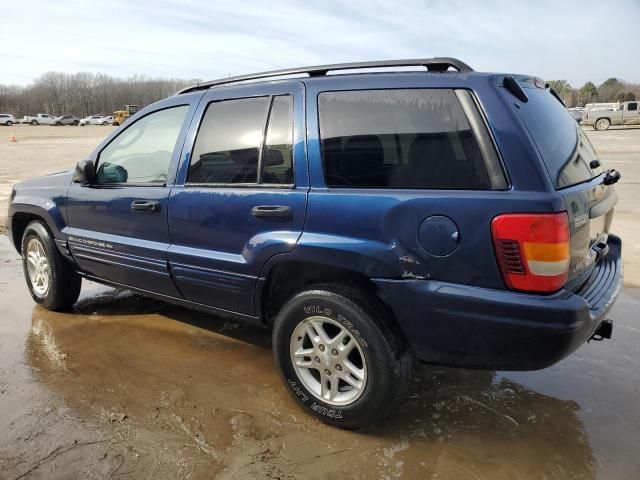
(437,64)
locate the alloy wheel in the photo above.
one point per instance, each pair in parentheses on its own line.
(328,361)
(38,267)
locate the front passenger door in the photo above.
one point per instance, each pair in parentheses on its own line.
(118,226)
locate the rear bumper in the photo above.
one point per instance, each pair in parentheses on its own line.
(465,326)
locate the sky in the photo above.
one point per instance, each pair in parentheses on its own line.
(576,40)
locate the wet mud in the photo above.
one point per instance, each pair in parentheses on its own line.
(127,387)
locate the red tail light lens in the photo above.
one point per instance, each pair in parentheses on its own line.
(533,250)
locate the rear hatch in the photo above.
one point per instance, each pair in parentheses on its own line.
(569,157)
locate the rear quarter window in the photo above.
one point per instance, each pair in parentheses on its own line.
(565,149)
(403,138)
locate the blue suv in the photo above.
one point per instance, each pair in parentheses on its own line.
(368,217)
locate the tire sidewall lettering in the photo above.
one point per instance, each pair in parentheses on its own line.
(311,310)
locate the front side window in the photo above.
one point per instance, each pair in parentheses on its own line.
(409,138)
(142,153)
(632,107)
(232,142)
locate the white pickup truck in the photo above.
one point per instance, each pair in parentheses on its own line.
(602,119)
(39,119)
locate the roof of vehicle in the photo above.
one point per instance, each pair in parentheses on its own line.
(437,64)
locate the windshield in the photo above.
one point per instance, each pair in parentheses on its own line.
(564,147)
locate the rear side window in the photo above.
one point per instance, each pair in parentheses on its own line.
(237,137)
(228,143)
(278,153)
(632,107)
(565,149)
(413,138)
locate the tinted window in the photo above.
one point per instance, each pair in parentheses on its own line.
(416,138)
(142,153)
(632,106)
(228,143)
(565,149)
(277,160)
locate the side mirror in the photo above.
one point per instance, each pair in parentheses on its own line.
(85,172)
(273,158)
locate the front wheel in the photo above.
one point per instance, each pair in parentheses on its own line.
(76,123)
(602,124)
(104,124)
(9,123)
(34,122)
(339,356)
(50,277)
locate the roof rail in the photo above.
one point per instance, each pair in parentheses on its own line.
(437,64)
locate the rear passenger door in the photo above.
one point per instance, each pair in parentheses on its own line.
(241,193)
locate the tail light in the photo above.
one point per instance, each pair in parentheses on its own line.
(532,250)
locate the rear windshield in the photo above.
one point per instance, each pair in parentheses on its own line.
(565,149)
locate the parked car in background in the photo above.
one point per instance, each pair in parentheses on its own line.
(67,120)
(92,120)
(455,217)
(628,114)
(7,119)
(39,119)
(108,120)
(576,113)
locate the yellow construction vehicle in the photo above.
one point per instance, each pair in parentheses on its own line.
(120,116)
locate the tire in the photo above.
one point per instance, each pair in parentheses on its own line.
(34,122)
(602,124)
(9,123)
(76,123)
(104,124)
(378,354)
(59,285)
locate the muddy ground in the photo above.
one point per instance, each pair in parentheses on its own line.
(125,387)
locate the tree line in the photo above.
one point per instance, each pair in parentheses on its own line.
(85,93)
(611,90)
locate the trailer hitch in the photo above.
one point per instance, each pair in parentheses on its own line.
(604,330)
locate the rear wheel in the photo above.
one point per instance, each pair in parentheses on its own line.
(602,124)
(339,357)
(34,122)
(50,277)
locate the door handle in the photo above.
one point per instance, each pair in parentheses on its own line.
(145,206)
(278,213)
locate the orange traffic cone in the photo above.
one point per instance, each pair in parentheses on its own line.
(12,137)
